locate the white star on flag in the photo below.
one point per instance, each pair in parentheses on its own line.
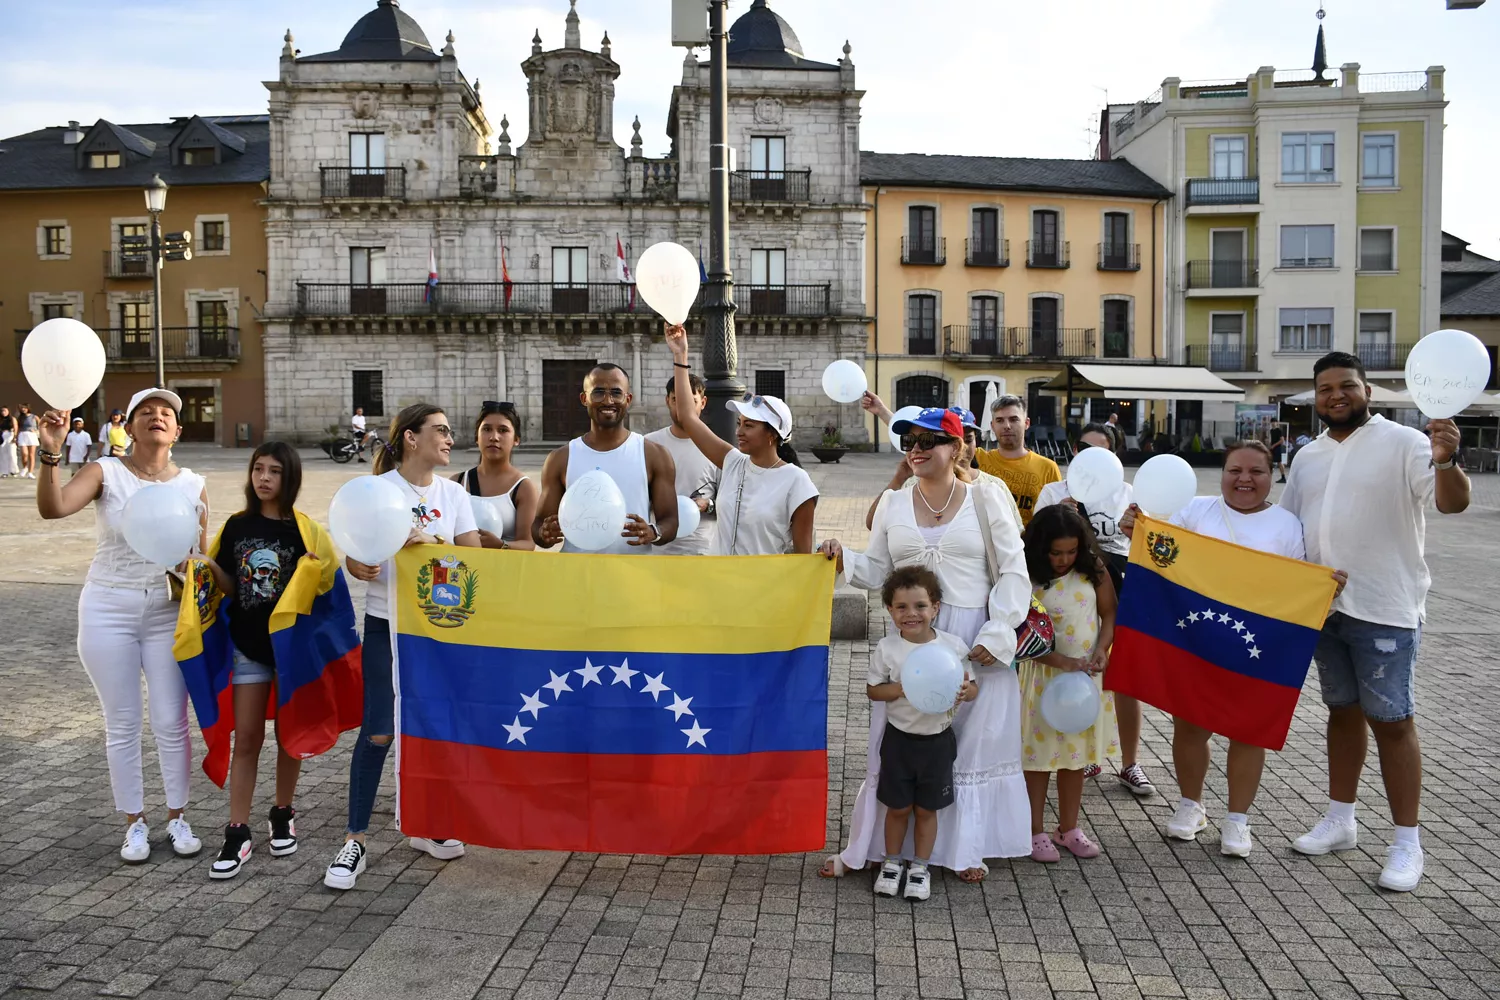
(1223,619)
(679,707)
(696,734)
(1193,616)
(515,731)
(1249,638)
(532,703)
(654,687)
(1181,623)
(590,673)
(1254,652)
(623,673)
(557,685)
(1239,626)
(1209,613)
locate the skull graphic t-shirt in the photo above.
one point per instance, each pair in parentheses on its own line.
(259,553)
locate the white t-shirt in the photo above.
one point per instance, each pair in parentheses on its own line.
(756,506)
(357,422)
(441,509)
(1105,519)
(1274,529)
(78,443)
(1363,503)
(886,661)
(695,474)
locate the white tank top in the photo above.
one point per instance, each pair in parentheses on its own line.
(626,465)
(115,562)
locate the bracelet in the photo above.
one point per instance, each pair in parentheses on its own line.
(1442,466)
(676,365)
(50,461)
(49,454)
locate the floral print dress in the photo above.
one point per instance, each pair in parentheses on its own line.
(1072,606)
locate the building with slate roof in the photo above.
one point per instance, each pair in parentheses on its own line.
(1471,297)
(79,189)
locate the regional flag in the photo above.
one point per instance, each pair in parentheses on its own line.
(319,685)
(429,291)
(612,703)
(1215,633)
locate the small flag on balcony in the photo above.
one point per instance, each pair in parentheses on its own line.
(622,270)
(505,277)
(702,273)
(429,294)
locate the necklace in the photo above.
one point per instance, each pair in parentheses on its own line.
(141,473)
(938,511)
(420,494)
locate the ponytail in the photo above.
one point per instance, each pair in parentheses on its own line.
(411,419)
(787,453)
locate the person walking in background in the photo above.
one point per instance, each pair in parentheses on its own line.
(78,443)
(497,432)
(1116,432)
(8,467)
(26,442)
(112,437)
(1024,471)
(697,477)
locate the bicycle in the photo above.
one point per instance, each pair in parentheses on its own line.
(346,449)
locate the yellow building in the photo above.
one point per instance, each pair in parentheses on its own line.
(78,191)
(985,270)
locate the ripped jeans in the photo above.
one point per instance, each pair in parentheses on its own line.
(367,763)
(1368,664)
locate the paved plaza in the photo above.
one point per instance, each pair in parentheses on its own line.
(1149,918)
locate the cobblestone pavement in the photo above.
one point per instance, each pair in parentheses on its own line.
(1148,918)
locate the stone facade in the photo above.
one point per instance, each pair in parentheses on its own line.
(349,238)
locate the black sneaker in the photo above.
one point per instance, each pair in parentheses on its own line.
(283,827)
(235,853)
(347,866)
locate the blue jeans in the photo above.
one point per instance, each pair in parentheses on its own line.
(1368,664)
(367,763)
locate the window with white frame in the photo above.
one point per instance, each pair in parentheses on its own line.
(1307,157)
(1377,249)
(1306,246)
(1378,159)
(1375,330)
(1229,157)
(54,239)
(1306,330)
(768,268)
(213,235)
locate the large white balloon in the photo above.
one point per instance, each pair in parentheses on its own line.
(905,413)
(160,522)
(369,519)
(1094,475)
(688,516)
(1163,485)
(64,362)
(1070,702)
(667,277)
(931,677)
(1445,372)
(592,512)
(487,516)
(844,381)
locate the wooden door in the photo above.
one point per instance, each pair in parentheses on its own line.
(198,413)
(563,416)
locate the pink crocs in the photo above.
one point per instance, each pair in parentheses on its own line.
(1043,850)
(1079,845)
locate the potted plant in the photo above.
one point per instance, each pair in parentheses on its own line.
(831,448)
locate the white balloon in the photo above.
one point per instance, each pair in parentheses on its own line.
(369,519)
(931,677)
(64,362)
(487,516)
(688,516)
(1163,485)
(592,512)
(667,277)
(1094,475)
(1070,702)
(160,522)
(905,413)
(1445,372)
(844,381)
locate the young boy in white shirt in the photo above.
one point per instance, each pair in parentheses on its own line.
(918,748)
(78,442)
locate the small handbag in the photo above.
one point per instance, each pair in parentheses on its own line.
(1034,636)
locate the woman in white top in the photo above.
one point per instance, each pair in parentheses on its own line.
(941,523)
(766,500)
(126,615)
(420,443)
(514,496)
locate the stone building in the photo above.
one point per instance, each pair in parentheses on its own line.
(385,164)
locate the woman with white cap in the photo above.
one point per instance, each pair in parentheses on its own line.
(766,500)
(126,615)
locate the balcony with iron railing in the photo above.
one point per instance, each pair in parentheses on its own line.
(364,183)
(133,347)
(1119,256)
(1233,275)
(121,266)
(1019,342)
(793,186)
(1225,356)
(1047,253)
(1223,191)
(498,298)
(987,253)
(919,251)
(1382,355)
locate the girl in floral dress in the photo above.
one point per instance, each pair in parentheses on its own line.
(1070,580)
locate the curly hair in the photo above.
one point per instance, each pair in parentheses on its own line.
(1054,522)
(911,576)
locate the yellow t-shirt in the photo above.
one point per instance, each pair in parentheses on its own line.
(1025,476)
(117,436)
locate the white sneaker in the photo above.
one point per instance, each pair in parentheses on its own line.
(181,835)
(137,847)
(889,879)
(1329,835)
(1234,839)
(347,866)
(443,850)
(1403,868)
(918,882)
(1187,821)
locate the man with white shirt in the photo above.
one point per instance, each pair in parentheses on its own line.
(697,477)
(357,429)
(1361,490)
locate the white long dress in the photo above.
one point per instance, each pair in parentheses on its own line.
(991,815)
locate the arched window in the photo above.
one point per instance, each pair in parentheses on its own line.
(921,390)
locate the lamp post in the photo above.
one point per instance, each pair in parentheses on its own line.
(720,356)
(172,246)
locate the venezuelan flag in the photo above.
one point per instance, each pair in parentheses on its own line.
(1215,633)
(612,703)
(319,687)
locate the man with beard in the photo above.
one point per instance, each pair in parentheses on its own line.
(697,477)
(641,469)
(1360,490)
(1024,471)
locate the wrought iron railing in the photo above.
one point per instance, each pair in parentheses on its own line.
(1222,274)
(535,297)
(1119,256)
(987,253)
(919,251)
(770,185)
(364,182)
(1384,355)
(1047,253)
(1232,356)
(1223,191)
(180,343)
(984,341)
(127,266)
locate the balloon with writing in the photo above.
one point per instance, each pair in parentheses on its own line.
(64,362)
(161,523)
(844,381)
(1094,475)
(592,512)
(370,519)
(1163,485)
(668,278)
(1446,371)
(688,516)
(931,677)
(1070,702)
(905,413)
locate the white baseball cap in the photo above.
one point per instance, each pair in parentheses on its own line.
(164,394)
(766,409)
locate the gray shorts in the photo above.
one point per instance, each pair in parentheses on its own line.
(1368,664)
(248,671)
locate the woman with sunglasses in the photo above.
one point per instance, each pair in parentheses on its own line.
(766,500)
(497,432)
(959,531)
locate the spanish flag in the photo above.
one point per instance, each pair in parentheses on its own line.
(1215,633)
(612,703)
(319,688)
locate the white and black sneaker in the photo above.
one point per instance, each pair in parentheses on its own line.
(184,843)
(234,854)
(918,882)
(283,829)
(137,847)
(347,866)
(888,882)
(443,850)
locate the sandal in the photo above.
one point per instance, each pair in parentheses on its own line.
(833,867)
(974,876)
(1077,843)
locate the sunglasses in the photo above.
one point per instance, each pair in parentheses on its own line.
(923,441)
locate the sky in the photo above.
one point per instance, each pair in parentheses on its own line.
(982,77)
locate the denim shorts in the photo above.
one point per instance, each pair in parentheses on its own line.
(1371,665)
(248,671)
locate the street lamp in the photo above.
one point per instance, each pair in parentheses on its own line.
(172,246)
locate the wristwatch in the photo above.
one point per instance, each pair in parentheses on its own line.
(1442,466)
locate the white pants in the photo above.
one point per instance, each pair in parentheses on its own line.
(8,465)
(122,634)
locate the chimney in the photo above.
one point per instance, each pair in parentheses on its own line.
(73,136)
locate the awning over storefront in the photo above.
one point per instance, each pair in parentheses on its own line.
(1142,382)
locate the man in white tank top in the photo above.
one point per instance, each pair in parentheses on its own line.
(643,470)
